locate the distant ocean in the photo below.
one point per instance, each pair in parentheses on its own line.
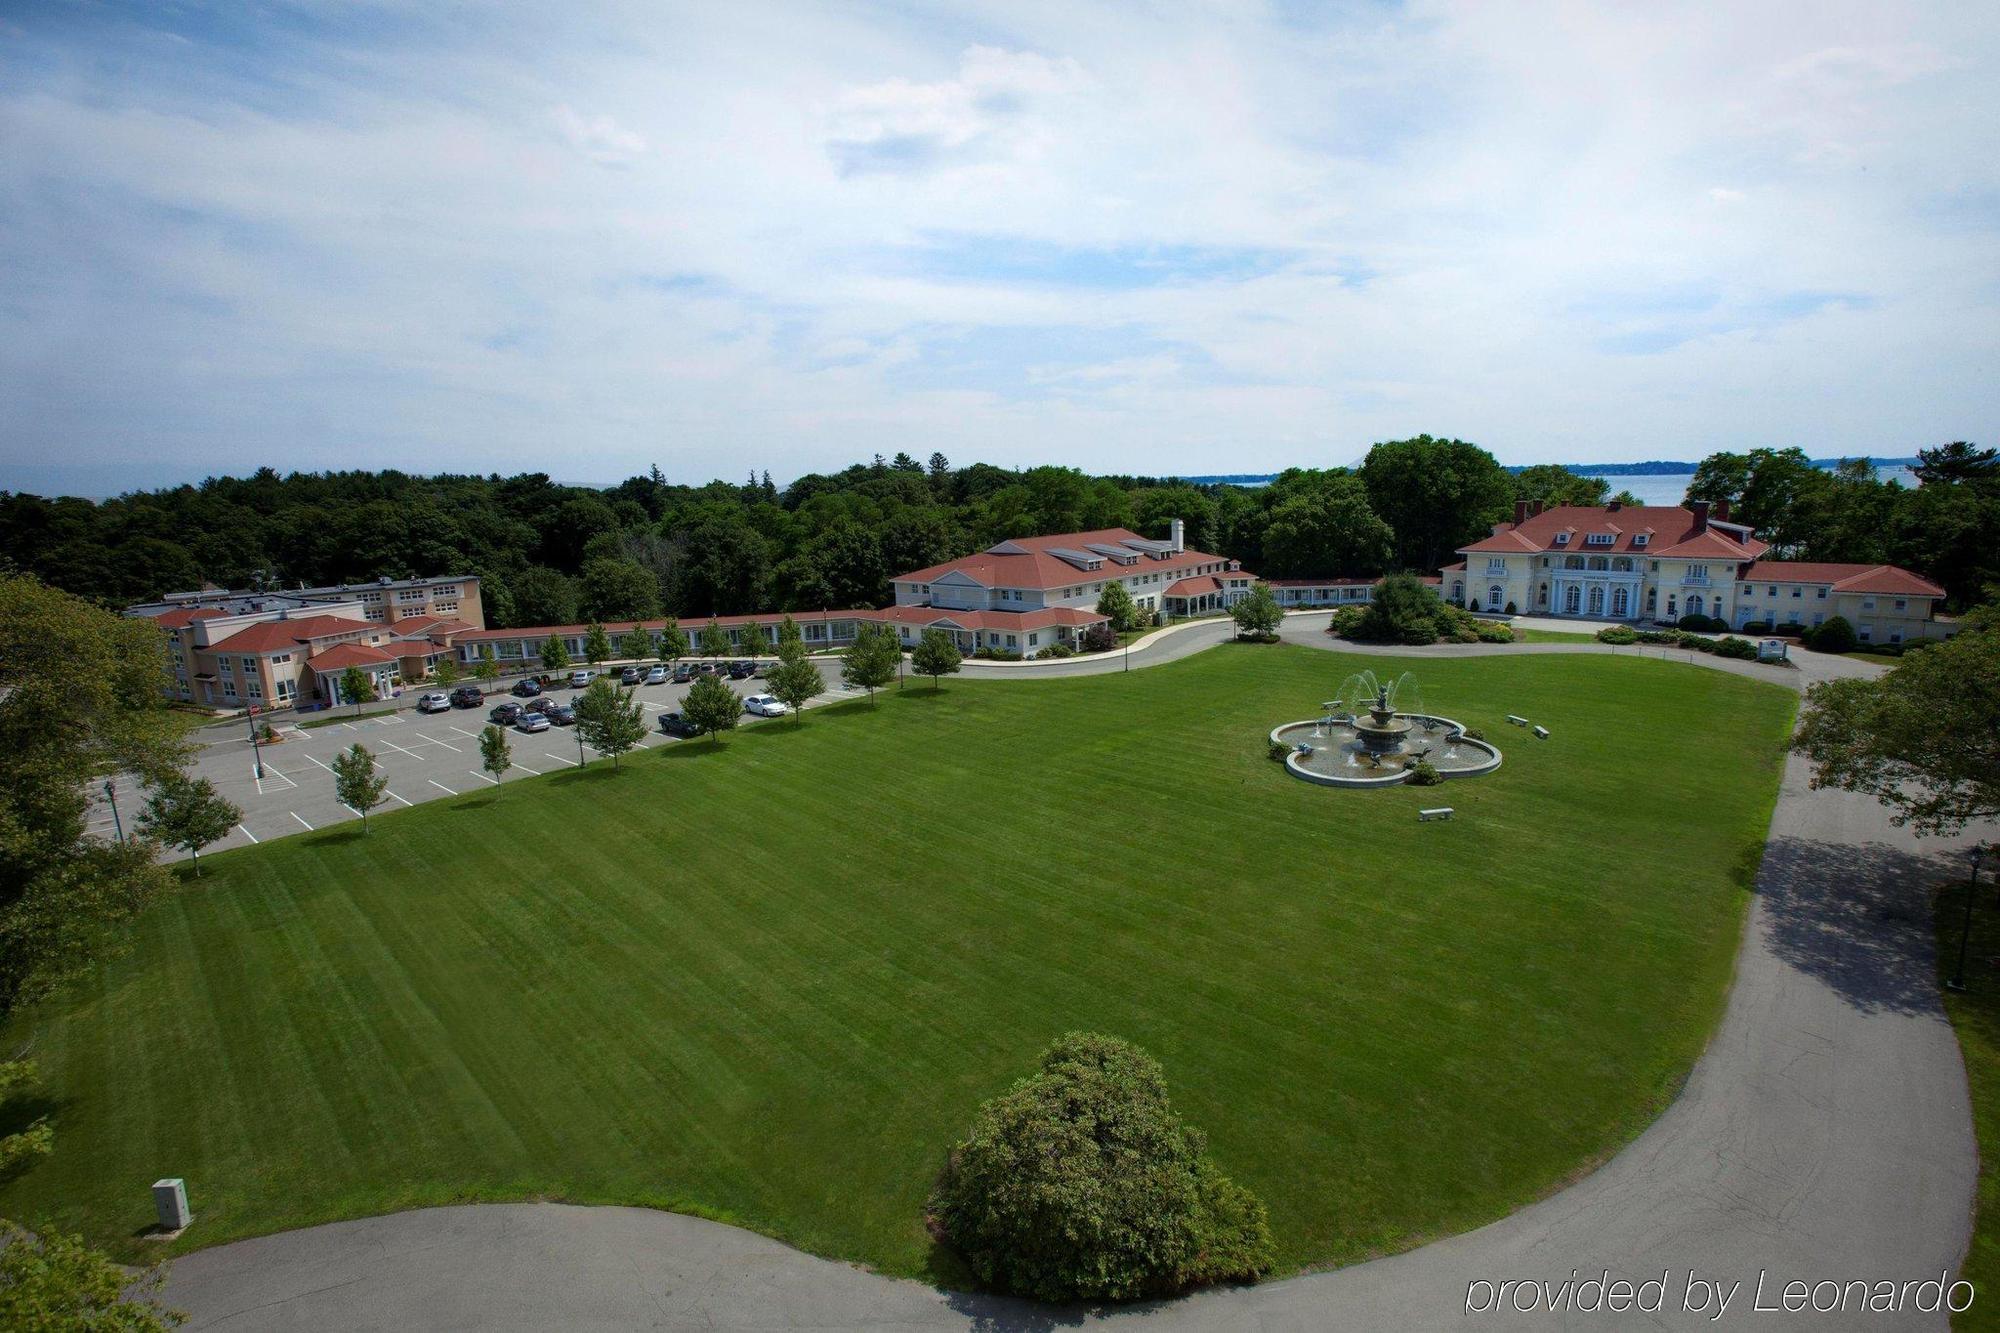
(1667,488)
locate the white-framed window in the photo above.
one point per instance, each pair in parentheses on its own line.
(1639,540)
(1599,539)
(1699,573)
(1798,592)
(284,690)
(254,688)
(1562,539)
(1902,604)
(1822,594)
(1034,639)
(1895,636)
(1868,604)
(1866,634)
(1496,564)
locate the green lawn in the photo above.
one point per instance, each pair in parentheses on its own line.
(1551,636)
(1975,1012)
(770,982)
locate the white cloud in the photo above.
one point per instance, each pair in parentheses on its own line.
(1202,241)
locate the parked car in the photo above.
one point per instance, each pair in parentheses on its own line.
(468,696)
(532,722)
(762,670)
(560,714)
(683,674)
(764,705)
(628,675)
(657,676)
(579,679)
(526,688)
(505,714)
(437,701)
(741,670)
(676,725)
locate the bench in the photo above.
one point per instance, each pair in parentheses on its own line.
(1517,721)
(1438,812)
(1542,732)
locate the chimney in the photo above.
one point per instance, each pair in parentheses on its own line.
(1700,508)
(1534,509)
(1177,534)
(1613,506)
(1722,511)
(1520,512)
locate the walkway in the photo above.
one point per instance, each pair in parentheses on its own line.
(1825,1133)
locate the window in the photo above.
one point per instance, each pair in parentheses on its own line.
(249,666)
(1494,595)
(1496,565)
(1034,639)
(1638,541)
(1774,590)
(1599,539)
(281,659)
(1012,641)
(1895,636)
(1562,539)
(1868,604)
(1822,594)
(254,689)
(1819,617)
(1866,634)
(1798,592)
(1697,573)
(1902,604)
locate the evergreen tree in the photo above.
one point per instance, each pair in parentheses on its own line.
(673,641)
(871,662)
(356,784)
(596,644)
(711,707)
(187,813)
(611,721)
(555,657)
(495,755)
(1116,603)
(714,640)
(935,656)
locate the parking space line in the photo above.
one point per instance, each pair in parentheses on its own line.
(441,787)
(248,834)
(469,735)
(560,760)
(392,796)
(536,771)
(350,809)
(301,818)
(400,750)
(483,778)
(435,741)
(271,772)
(309,757)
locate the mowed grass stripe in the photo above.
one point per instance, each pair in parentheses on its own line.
(770,980)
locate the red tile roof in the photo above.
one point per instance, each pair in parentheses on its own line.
(1025,562)
(344,655)
(180,619)
(267,635)
(1669,531)
(1040,618)
(1888,579)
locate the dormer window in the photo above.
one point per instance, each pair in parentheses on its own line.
(1599,539)
(1562,539)
(1639,539)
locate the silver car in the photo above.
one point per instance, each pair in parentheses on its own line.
(657,676)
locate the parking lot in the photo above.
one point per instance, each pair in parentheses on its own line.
(425,756)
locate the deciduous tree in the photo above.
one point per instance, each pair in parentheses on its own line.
(1116,603)
(611,721)
(187,813)
(935,656)
(1257,614)
(496,756)
(714,640)
(870,663)
(555,656)
(673,641)
(486,670)
(711,707)
(596,644)
(356,784)
(636,643)
(795,681)
(357,687)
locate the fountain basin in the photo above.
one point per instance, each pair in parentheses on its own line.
(1365,752)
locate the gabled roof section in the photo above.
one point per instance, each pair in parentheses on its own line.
(1670,529)
(344,655)
(1883,580)
(268,635)
(1052,561)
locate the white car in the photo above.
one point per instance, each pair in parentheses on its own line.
(533,722)
(657,676)
(764,705)
(435,702)
(579,679)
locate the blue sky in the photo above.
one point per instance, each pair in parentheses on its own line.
(1187,237)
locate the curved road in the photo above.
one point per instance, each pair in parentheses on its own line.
(1825,1134)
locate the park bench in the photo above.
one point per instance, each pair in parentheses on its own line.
(1437,812)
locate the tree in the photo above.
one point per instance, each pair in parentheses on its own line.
(636,643)
(1082,1183)
(555,657)
(496,756)
(711,707)
(52,1280)
(596,644)
(446,672)
(1554,484)
(357,687)
(356,784)
(1959,461)
(486,670)
(1403,610)
(35,1138)
(795,681)
(610,721)
(1116,603)
(1099,638)
(1924,738)
(789,637)
(616,588)
(1327,529)
(80,698)
(1719,478)
(1835,636)
(543,596)
(673,641)
(1437,495)
(187,813)
(1627,499)
(750,639)
(1258,614)
(935,656)
(714,640)
(871,662)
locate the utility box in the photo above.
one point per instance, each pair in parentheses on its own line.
(170,1200)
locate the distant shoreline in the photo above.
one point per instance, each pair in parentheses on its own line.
(1655,468)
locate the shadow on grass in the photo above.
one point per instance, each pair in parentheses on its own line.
(346,833)
(1857,918)
(994,1313)
(597,770)
(473,802)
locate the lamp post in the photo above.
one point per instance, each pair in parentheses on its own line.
(256,750)
(111,795)
(1957,981)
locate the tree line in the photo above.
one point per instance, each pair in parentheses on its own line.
(548,553)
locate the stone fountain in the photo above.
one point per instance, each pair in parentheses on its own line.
(1383,729)
(1378,736)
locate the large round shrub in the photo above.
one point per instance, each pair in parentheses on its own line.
(1404,610)
(1080,1183)
(1835,636)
